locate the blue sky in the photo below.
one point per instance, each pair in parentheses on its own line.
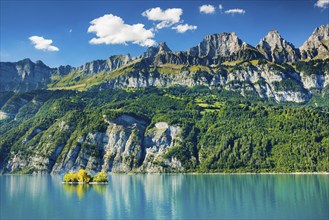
(66,23)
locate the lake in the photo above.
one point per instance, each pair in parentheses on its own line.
(163,196)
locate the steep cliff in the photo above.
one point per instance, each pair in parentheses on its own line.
(124,146)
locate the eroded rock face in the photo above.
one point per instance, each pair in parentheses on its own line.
(24,75)
(125,146)
(158,140)
(108,65)
(277,49)
(224,44)
(261,79)
(317,45)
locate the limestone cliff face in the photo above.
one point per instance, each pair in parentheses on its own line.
(262,80)
(277,49)
(125,146)
(317,45)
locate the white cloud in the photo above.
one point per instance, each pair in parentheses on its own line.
(111,29)
(182,28)
(220,7)
(322,4)
(235,11)
(207,9)
(43,44)
(167,17)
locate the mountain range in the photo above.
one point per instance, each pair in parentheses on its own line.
(272,61)
(220,106)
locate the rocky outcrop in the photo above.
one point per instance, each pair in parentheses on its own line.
(157,141)
(223,45)
(277,49)
(153,51)
(24,75)
(317,45)
(62,70)
(126,146)
(108,65)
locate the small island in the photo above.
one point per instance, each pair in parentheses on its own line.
(82,177)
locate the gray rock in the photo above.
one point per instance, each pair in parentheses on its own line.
(277,49)
(317,45)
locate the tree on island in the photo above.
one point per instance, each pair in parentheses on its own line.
(100,177)
(70,177)
(82,176)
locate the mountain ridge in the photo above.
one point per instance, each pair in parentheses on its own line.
(214,51)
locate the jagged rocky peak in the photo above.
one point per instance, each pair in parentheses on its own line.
(153,51)
(162,47)
(317,45)
(39,62)
(224,44)
(108,65)
(277,49)
(63,70)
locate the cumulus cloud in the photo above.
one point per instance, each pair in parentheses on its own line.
(322,4)
(111,29)
(41,43)
(235,11)
(166,17)
(182,28)
(207,9)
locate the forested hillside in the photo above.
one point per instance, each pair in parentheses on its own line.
(174,129)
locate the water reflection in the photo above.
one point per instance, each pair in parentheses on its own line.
(158,196)
(78,189)
(100,189)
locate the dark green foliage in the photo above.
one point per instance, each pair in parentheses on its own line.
(288,85)
(313,66)
(264,138)
(4,96)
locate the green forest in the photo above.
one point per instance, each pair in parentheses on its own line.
(222,131)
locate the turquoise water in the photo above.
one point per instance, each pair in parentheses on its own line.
(167,196)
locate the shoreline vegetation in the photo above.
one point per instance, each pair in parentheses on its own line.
(82,177)
(187,173)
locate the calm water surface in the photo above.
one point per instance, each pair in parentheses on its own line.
(155,196)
